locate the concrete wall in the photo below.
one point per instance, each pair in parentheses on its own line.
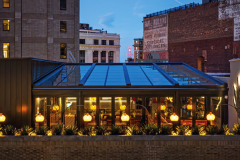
(121,147)
(235,73)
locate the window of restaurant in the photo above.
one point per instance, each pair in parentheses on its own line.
(95,57)
(90,107)
(166,110)
(41,107)
(151,106)
(201,111)
(186,111)
(120,109)
(70,111)
(216,110)
(55,111)
(105,111)
(136,111)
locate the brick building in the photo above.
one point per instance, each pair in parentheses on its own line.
(41,29)
(194,34)
(138,48)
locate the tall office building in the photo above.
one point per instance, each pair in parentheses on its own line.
(46,29)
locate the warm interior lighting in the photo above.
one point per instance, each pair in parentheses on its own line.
(49,133)
(210,117)
(125,117)
(2,118)
(93,107)
(174,117)
(55,107)
(39,118)
(189,106)
(6,50)
(163,107)
(188,133)
(32,134)
(170,99)
(122,107)
(87,118)
(93,98)
(174,133)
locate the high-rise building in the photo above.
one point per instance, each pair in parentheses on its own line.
(98,46)
(138,49)
(45,29)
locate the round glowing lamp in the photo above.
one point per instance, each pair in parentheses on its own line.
(125,117)
(55,107)
(87,118)
(122,107)
(93,107)
(2,118)
(189,106)
(163,107)
(210,117)
(39,118)
(174,117)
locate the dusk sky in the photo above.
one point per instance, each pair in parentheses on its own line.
(123,17)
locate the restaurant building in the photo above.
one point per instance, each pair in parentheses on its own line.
(147,92)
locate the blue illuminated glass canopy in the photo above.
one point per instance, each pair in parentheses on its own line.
(120,74)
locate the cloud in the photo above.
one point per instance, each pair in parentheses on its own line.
(107,20)
(137,7)
(179,2)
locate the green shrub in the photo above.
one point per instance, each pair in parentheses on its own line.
(236,129)
(223,130)
(211,129)
(134,130)
(116,130)
(58,129)
(70,131)
(195,129)
(42,130)
(9,130)
(26,129)
(166,130)
(101,130)
(87,130)
(151,129)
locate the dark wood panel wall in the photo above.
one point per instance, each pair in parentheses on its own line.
(16,91)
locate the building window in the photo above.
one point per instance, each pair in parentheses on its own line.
(63,49)
(103,42)
(140,42)
(111,42)
(6,3)
(110,57)
(6,24)
(141,48)
(95,41)
(103,57)
(82,41)
(63,26)
(6,49)
(63,4)
(95,57)
(82,56)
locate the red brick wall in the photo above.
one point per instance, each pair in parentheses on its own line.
(162,54)
(217,56)
(196,29)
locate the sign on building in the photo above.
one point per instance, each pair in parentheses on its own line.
(155,33)
(228,9)
(237,29)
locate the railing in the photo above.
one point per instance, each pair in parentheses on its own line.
(191,5)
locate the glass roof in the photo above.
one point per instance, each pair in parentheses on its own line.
(136,74)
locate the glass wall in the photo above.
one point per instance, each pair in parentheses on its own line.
(216,110)
(186,111)
(120,108)
(136,111)
(167,109)
(70,111)
(151,106)
(55,111)
(201,111)
(90,107)
(40,107)
(105,111)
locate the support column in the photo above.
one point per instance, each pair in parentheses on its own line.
(97,112)
(48,111)
(194,111)
(159,111)
(63,109)
(128,109)
(99,56)
(79,111)
(113,111)
(208,107)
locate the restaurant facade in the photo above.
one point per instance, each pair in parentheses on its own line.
(93,94)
